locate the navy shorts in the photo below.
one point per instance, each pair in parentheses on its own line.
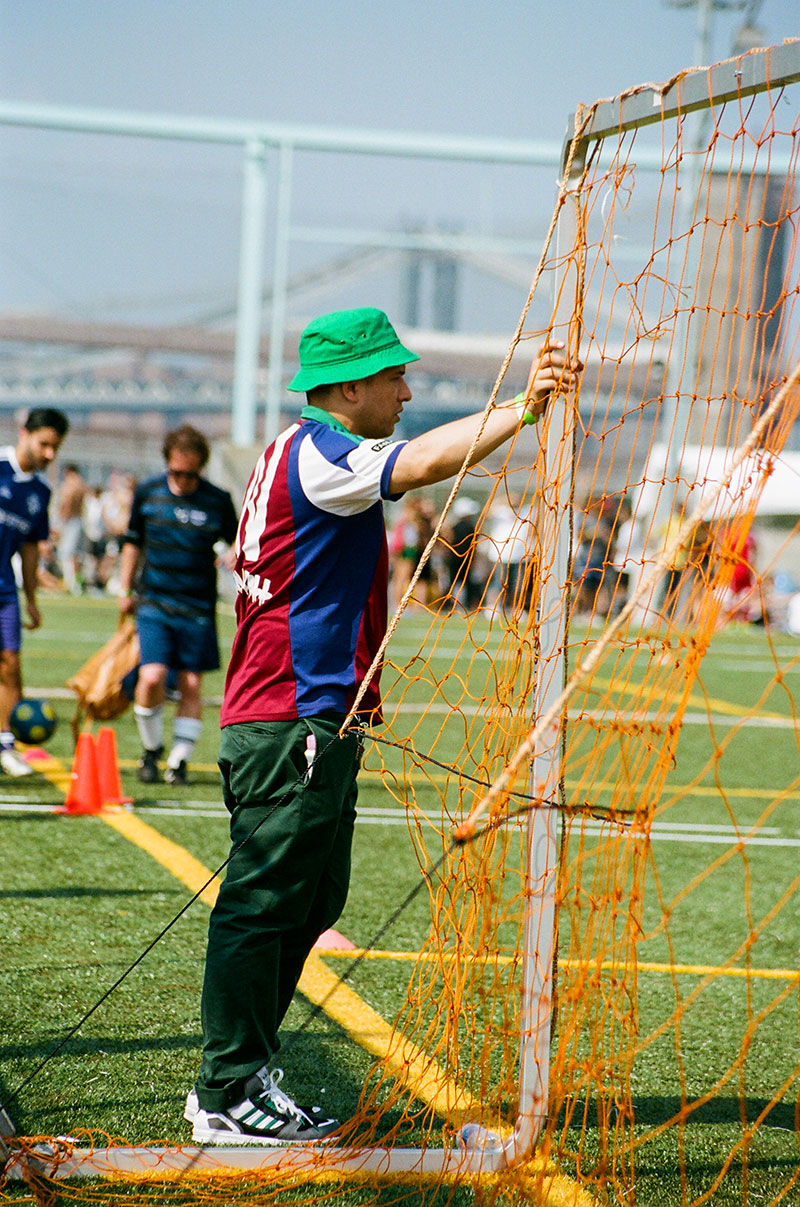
(185,644)
(10,624)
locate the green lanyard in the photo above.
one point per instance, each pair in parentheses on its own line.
(320,416)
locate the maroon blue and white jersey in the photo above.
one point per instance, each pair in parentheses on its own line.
(311,574)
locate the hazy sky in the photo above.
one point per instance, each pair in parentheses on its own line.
(468,66)
(99,225)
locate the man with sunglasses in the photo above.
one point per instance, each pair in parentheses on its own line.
(169,559)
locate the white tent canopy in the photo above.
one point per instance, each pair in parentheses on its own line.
(765,484)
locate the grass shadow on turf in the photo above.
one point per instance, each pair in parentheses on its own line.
(74,891)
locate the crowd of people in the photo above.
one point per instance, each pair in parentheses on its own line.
(473,566)
(480,561)
(610,558)
(87,523)
(157,546)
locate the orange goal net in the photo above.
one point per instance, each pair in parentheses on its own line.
(591,723)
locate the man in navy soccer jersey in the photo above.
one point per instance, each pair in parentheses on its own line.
(168,552)
(24,500)
(311,571)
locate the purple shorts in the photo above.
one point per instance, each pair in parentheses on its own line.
(10,624)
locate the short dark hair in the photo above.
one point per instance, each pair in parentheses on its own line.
(41,417)
(186,439)
(317,395)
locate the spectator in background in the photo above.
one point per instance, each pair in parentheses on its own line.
(592,583)
(741,600)
(510,533)
(739,541)
(71,495)
(115,504)
(464,573)
(169,557)
(428,588)
(94,531)
(48,576)
(690,570)
(409,539)
(672,580)
(24,502)
(618,574)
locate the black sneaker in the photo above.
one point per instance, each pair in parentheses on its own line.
(147,770)
(177,775)
(266,1115)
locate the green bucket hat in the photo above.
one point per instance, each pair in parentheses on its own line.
(347,345)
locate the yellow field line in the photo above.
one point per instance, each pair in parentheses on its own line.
(764,974)
(318,983)
(696,701)
(767,974)
(176,859)
(407,1061)
(52,769)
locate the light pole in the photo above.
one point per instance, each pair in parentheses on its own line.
(685,342)
(746,37)
(676,426)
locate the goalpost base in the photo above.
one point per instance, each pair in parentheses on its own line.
(61,1161)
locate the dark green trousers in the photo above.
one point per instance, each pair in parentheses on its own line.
(284,885)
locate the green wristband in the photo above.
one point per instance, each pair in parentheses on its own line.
(527,416)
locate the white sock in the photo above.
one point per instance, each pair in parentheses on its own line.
(150,723)
(185,732)
(6,740)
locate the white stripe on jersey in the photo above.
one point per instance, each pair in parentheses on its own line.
(254,508)
(344,491)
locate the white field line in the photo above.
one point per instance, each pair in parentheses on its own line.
(400,650)
(439,708)
(402,647)
(689,832)
(755,666)
(689,718)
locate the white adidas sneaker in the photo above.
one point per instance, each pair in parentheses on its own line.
(266,1115)
(192,1106)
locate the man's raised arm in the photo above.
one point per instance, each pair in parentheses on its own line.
(439,453)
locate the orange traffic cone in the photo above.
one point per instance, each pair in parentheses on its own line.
(108,769)
(84,789)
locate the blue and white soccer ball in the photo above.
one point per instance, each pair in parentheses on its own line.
(33,721)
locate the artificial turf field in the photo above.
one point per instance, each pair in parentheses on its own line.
(81,903)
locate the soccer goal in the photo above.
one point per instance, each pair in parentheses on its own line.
(574,704)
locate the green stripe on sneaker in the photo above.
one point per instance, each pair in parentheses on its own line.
(254,1117)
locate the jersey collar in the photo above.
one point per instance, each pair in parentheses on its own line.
(321,416)
(20,474)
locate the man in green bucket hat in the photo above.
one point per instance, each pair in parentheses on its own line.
(311,573)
